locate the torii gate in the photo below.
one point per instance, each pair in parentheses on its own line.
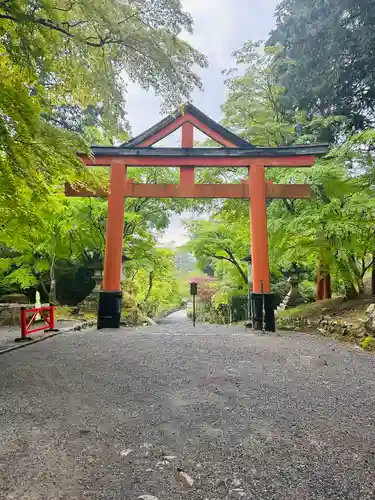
(235,152)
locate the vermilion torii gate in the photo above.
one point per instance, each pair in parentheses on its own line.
(235,152)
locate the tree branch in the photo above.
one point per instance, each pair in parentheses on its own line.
(150,284)
(289,206)
(230,259)
(365,269)
(238,267)
(49,23)
(94,223)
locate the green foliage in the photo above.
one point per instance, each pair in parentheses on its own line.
(63,69)
(153,283)
(338,224)
(220,243)
(94,43)
(253,106)
(307,290)
(327,62)
(367,343)
(335,228)
(67,240)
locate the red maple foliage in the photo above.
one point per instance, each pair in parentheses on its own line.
(206,290)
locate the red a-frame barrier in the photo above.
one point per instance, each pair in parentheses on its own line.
(235,152)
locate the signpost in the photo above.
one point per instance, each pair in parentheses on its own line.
(193,293)
(247,259)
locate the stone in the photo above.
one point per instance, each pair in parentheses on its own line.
(10,314)
(369,323)
(186,480)
(15,298)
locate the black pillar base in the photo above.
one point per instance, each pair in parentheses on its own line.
(257,310)
(109,310)
(269,312)
(263,319)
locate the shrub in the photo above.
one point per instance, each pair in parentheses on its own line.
(367,343)
(281,290)
(308,291)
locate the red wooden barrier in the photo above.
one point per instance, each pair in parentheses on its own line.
(27,324)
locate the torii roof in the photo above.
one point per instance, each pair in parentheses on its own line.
(233,148)
(193,115)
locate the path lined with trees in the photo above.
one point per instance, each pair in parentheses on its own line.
(69,93)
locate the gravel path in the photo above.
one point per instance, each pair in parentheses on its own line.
(9,333)
(176,317)
(91,415)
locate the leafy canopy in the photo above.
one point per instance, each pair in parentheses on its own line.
(64,65)
(328,63)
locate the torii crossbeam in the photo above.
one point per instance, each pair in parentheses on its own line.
(235,152)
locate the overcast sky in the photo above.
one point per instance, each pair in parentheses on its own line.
(221,26)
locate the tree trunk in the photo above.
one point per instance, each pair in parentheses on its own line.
(347,270)
(373,275)
(150,284)
(43,285)
(319,286)
(361,286)
(327,286)
(358,275)
(52,290)
(237,265)
(240,270)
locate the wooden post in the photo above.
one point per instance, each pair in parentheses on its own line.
(187,141)
(110,298)
(262,299)
(323,284)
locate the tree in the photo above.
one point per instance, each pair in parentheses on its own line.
(94,42)
(255,108)
(221,243)
(152,279)
(69,234)
(64,66)
(316,233)
(335,229)
(327,65)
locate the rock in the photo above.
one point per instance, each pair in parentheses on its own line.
(15,298)
(369,324)
(359,333)
(184,478)
(10,314)
(125,453)
(150,321)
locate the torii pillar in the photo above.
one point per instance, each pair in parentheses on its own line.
(110,298)
(259,251)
